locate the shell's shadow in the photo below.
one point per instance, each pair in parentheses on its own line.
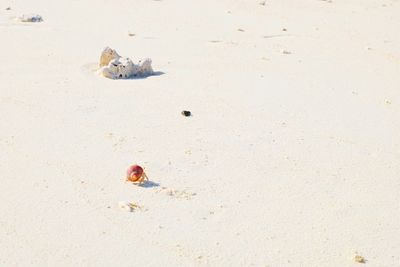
(149,184)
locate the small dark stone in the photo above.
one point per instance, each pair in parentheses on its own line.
(186,113)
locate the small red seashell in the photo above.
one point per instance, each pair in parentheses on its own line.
(134,173)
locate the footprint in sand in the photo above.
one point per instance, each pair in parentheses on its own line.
(179,194)
(130,206)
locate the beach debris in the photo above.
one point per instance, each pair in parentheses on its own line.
(128,206)
(284,29)
(240,30)
(136,174)
(186,113)
(286,52)
(30,18)
(262,3)
(131,34)
(113,66)
(8,8)
(119,68)
(107,55)
(359,259)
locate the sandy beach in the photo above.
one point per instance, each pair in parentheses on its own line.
(291,156)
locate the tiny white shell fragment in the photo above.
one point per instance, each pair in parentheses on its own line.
(30,18)
(359,259)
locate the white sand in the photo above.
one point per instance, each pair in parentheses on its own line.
(289,159)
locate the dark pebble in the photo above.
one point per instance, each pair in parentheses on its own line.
(186,113)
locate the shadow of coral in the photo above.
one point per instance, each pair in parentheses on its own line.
(139,77)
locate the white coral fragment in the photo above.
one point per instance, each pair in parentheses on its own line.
(145,67)
(107,55)
(30,18)
(121,68)
(114,66)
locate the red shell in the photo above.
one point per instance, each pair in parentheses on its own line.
(134,172)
